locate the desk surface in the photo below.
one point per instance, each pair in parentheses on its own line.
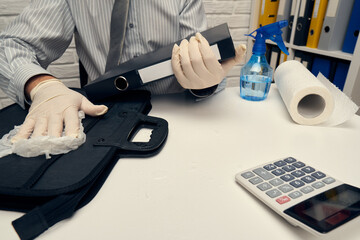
(188,190)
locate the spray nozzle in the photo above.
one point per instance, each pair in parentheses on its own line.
(271,31)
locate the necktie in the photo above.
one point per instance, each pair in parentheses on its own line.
(117,32)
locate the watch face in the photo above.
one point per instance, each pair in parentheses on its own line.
(328,210)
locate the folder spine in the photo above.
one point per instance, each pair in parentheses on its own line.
(316,23)
(352,32)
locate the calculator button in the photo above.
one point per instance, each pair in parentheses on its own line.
(247,175)
(264,186)
(290,160)
(295,194)
(287,177)
(298,173)
(278,172)
(288,168)
(318,175)
(328,180)
(307,189)
(286,188)
(297,183)
(298,164)
(308,179)
(263,174)
(308,169)
(255,180)
(283,199)
(280,163)
(270,167)
(273,193)
(276,182)
(318,185)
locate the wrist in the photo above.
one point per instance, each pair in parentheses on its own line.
(35,81)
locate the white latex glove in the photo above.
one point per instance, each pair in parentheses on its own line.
(195,65)
(53,107)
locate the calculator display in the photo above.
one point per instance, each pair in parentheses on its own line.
(329,209)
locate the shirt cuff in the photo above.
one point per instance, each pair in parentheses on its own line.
(207,92)
(21,76)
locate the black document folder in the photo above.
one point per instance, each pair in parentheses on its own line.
(303,22)
(154,66)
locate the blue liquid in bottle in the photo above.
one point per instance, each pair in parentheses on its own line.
(254,88)
(255,78)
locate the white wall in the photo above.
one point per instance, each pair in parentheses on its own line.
(235,12)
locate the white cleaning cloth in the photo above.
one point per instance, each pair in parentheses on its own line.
(36,146)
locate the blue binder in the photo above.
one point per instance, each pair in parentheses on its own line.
(342,69)
(353,28)
(322,65)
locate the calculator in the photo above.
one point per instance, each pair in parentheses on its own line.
(303,195)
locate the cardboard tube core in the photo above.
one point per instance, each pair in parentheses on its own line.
(311,106)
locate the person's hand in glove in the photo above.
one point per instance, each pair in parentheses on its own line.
(195,65)
(54,106)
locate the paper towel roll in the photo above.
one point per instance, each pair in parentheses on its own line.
(310,100)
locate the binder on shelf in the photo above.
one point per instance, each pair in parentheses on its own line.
(321,64)
(341,72)
(274,58)
(291,19)
(316,23)
(335,23)
(307,60)
(284,13)
(298,56)
(268,12)
(303,22)
(353,28)
(268,52)
(282,58)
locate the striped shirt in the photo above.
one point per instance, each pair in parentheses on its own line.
(45,29)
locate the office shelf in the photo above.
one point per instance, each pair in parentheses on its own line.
(352,83)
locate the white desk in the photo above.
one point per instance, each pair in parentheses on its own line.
(188,191)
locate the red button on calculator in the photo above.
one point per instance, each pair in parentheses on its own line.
(283,199)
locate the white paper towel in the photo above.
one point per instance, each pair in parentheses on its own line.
(310,100)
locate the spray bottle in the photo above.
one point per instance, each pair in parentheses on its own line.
(256,75)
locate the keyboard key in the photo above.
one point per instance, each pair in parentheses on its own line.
(278,172)
(318,185)
(280,163)
(264,186)
(308,169)
(295,194)
(288,168)
(298,173)
(247,175)
(255,180)
(328,180)
(276,182)
(308,179)
(307,189)
(297,183)
(318,175)
(283,199)
(298,164)
(263,174)
(270,167)
(273,193)
(285,188)
(287,177)
(290,160)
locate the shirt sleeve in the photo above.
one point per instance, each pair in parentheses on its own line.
(37,37)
